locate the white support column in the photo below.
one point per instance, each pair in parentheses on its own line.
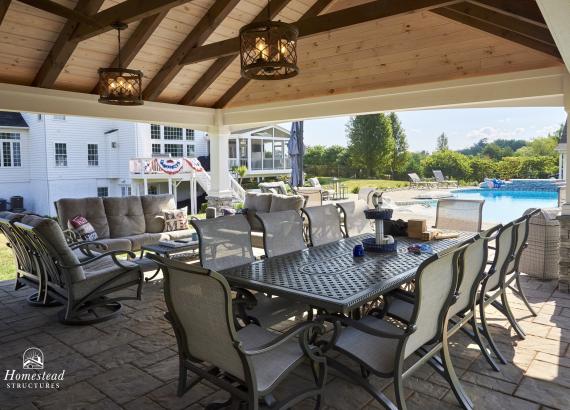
(193,195)
(220,193)
(145,186)
(170,185)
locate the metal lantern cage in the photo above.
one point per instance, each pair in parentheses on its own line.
(268,50)
(120,86)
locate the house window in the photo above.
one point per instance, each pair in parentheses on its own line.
(155,131)
(155,149)
(175,150)
(39,117)
(256,154)
(93,155)
(189,134)
(11,154)
(102,191)
(267,154)
(172,133)
(126,190)
(153,190)
(60,154)
(190,150)
(59,117)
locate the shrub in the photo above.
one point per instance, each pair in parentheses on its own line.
(355,190)
(451,163)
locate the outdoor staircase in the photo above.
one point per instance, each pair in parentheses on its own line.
(238,193)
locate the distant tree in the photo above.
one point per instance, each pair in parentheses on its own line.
(370,143)
(475,149)
(558,133)
(333,154)
(539,147)
(512,144)
(442,142)
(494,151)
(314,155)
(400,154)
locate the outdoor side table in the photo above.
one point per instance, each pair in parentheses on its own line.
(185,251)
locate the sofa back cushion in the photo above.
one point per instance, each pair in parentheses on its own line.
(91,209)
(286,203)
(54,241)
(153,205)
(125,216)
(256,203)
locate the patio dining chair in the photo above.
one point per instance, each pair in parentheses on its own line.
(282,232)
(248,363)
(324,224)
(89,289)
(354,220)
(459,214)
(441,181)
(416,181)
(381,347)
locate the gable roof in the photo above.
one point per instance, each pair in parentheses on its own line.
(12,119)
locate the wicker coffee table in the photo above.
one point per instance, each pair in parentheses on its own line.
(184,251)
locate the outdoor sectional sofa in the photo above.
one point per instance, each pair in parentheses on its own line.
(123,223)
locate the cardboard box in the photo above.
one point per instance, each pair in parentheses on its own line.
(416,228)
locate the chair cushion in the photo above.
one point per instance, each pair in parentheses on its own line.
(137,241)
(116,244)
(286,203)
(102,270)
(125,216)
(91,208)
(181,234)
(377,352)
(257,201)
(11,216)
(153,205)
(269,367)
(175,219)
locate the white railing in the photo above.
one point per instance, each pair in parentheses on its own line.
(237,189)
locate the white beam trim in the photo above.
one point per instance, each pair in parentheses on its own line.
(556,13)
(532,88)
(42,100)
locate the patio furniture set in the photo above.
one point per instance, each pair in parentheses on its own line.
(440,181)
(355,306)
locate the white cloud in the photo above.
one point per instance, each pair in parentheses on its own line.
(492,133)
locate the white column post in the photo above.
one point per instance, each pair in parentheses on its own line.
(145,186)
(170,185)
(566,160)
(220,193)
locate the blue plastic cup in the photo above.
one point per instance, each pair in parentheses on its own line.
(358,251)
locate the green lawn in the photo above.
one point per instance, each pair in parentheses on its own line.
(372,183)
(7,268)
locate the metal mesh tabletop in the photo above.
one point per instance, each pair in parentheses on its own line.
(329,277)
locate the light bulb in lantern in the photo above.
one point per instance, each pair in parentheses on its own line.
(261,47)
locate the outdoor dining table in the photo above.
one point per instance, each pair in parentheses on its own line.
(330,278)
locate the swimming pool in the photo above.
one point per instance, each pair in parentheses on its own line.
(504,206)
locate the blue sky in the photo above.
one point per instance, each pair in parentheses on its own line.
(462,126)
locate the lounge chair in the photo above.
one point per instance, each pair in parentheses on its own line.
(326,193)
(416,182)
(441,181)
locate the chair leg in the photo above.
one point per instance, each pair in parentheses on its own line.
(487,333)
(452,378)
(399,390)
(182,377)
(522,295)
(509,314)
(479,341)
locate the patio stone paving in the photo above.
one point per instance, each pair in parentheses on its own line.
(131,362)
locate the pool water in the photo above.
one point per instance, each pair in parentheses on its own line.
(504,206)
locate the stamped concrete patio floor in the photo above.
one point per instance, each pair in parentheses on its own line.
(131,362)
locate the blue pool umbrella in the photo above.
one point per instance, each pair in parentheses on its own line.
(296,151)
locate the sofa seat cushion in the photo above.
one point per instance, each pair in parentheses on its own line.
(137,241)
(286,203)
(257,239)
(125,216)
(181,234)
(153,205)
(103,270)
(116,244)
(91,209)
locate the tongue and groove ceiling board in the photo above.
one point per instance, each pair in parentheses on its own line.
(60,44)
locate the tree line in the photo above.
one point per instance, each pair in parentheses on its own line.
(377,148)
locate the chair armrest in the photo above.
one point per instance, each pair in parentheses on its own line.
(304,327)
(358,325)
(112,254)
(85,247)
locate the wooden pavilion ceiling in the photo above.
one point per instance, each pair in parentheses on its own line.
(187,49)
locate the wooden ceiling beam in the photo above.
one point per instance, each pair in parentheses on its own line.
(63,48)
(199,34)
(526,10)
(136,41)
(230,94)
(504,21)
(218,67)
(125,12)
(62,11)
(487,27)
(363,13)
(4,4)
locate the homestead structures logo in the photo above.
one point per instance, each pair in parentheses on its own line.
(33,375)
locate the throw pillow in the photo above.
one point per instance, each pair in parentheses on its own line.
(82,228)
(175,219)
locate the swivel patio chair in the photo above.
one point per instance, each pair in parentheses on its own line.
(282,232)
(459,214)
(248,363)
(441,181)
(88,288)
(324,224)
(354,220)
(381,347)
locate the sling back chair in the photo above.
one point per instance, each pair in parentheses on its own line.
(249,363)
(282,232)
(441,181)
(354,220)
(459,214)
(416,182)
(324,224)
(381,347)
(82,286)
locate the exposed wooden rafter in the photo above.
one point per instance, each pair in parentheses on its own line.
(526,10)
(199,34)
(496,30)
(62,11)
(222,63)
(314,11)
(125,12)
(136,41)
(4,4)
(330,21)
(63,48)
